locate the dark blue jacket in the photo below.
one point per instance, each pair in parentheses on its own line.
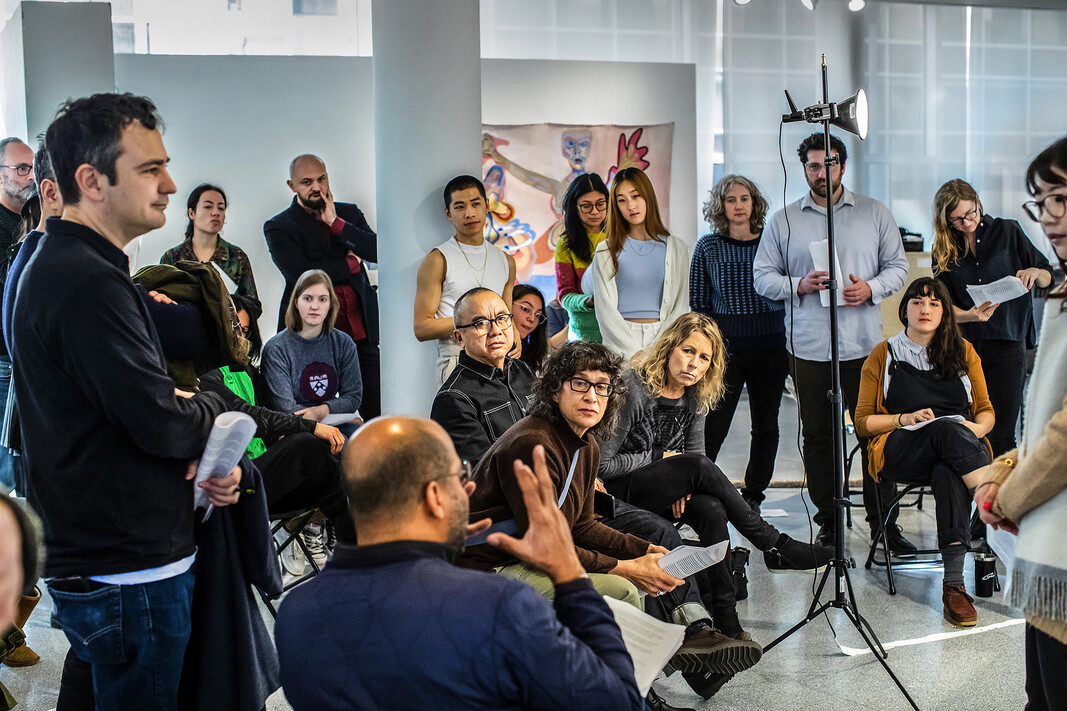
(397,626)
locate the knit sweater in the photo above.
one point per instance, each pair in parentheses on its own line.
(498,496)
(720,286)
(648,426)
(304,372)
(569,270)
(1036,484)
(871,400)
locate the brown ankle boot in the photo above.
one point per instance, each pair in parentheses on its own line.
(24,656)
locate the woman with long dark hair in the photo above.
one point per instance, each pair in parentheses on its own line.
(640,271)
(1027,490)
(531,326)
(206,208)
(924,408)
(971,247)
(720,286)
(585,209)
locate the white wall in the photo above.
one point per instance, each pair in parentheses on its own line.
(239,120)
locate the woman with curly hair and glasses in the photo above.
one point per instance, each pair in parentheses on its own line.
(925,413)
(720,286)
(971,247)
(655,459)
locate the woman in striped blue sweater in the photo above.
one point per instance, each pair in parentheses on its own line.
(720,286)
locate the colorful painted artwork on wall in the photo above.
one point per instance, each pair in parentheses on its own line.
(527,168)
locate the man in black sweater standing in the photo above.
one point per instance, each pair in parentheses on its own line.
(317,233)
(108,441)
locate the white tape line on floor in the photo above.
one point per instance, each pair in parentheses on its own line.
(938,637)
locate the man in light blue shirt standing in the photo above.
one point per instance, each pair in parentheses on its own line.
(872,267)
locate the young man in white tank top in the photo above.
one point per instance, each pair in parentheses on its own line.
(464,261)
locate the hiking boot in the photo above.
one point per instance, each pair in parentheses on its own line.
(706,649)
(707,684)
(959,606)
(789,555)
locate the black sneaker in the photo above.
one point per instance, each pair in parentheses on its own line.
(707,684)
(899,546)
(706,649)
(657,703)
(825,536)
(790,555)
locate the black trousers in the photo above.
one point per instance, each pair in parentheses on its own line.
(1004,366)
(938,454)
(370,371)
(1046,660)
(813,381)
(655,529)
(763,374)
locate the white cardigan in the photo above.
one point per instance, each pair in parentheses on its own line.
(620,335)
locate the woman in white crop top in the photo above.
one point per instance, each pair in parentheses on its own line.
(640,272)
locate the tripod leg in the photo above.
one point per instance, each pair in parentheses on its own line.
(859,623)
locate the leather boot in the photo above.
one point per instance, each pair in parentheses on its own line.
(24,656)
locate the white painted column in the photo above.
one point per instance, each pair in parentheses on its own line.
(52,52)
(427,124)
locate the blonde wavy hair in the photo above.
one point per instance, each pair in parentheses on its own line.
(652,369)
(948,244)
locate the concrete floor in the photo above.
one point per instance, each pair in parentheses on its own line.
(982,669)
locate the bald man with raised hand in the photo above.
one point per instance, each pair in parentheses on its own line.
(315,232)
(393,623)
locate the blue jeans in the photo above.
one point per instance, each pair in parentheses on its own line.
(134,636)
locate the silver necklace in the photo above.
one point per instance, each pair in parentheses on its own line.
(485,259)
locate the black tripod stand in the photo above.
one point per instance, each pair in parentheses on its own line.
(850,115)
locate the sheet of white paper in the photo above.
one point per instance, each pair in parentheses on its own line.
(225,446)
(920,425)
(650,642)
(683,561)
(338,418)
(773,513)
(818,256)
(999,291)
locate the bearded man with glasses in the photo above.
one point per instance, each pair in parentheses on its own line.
(16,186)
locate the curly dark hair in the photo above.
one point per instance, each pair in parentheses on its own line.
(573,358)
(816,142)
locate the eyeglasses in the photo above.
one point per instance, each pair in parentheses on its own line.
(464,474)
(581,385)
(587,207)
(814,167)
(1055,205)
(527,311)
(21,169)
(481,325)
(966,217)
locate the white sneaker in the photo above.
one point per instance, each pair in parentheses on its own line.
(313,539)
(293,560)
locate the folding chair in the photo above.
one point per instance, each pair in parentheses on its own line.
(290,534)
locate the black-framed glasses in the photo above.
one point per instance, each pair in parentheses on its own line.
(588,207)
(527,311)
(481,325)
(22,169)
(1055,205)
(965,217)
(581,385)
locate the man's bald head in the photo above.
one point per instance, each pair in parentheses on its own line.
(386,465)
(306,161)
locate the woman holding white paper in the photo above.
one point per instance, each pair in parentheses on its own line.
(972,248)
(924,409)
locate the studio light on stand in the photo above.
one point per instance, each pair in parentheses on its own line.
(849,115)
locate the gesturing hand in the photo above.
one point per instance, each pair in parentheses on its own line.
(547,544)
